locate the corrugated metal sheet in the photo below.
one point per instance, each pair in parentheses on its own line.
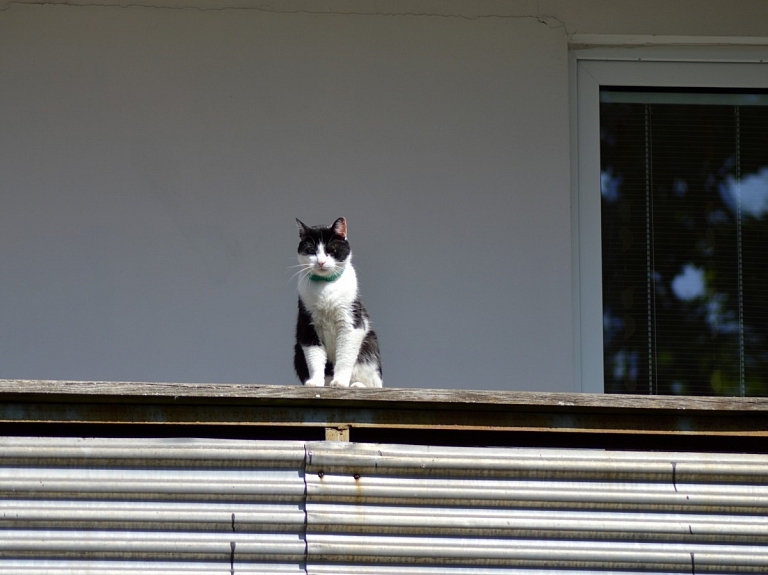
(422,511)
(172,506)
(151,506)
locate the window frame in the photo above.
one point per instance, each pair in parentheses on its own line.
(656,66)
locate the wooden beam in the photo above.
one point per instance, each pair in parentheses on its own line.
(339,410)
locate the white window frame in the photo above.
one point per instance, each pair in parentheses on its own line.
(591,68)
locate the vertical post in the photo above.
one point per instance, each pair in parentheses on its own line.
(338,433)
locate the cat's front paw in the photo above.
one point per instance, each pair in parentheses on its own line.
(339,383)
(315,382)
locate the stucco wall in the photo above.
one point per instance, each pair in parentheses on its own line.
(153,158)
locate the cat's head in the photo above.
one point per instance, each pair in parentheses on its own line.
(324,251)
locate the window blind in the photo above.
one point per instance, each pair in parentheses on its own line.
(684,196)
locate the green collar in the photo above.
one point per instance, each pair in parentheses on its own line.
(333,278)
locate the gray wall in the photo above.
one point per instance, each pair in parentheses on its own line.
(152,161)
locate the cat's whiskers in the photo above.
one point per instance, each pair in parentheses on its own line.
(305,269)
(304,279)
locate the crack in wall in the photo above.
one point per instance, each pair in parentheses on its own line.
(549,21)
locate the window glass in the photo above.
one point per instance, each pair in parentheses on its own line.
(684,211)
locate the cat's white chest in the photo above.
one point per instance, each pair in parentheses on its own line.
(327,319)
(329,305)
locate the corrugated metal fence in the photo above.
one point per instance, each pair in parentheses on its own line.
(151,506)
(230,507)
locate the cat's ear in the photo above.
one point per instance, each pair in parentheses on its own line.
(340,228)
(303,228)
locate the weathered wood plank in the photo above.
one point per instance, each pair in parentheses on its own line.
(47,391)
(406,413)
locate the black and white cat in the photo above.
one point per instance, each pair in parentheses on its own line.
(335,344)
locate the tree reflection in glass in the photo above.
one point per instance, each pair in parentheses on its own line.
(684,187)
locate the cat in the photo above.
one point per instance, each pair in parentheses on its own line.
(335,345)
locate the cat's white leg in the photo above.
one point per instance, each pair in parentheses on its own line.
(366,374)
(348,344)
(316,358)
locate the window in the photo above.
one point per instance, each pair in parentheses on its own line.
(673,199)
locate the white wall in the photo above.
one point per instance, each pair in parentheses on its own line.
(152,161)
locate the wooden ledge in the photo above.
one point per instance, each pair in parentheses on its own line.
(251,394)
(377,415)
